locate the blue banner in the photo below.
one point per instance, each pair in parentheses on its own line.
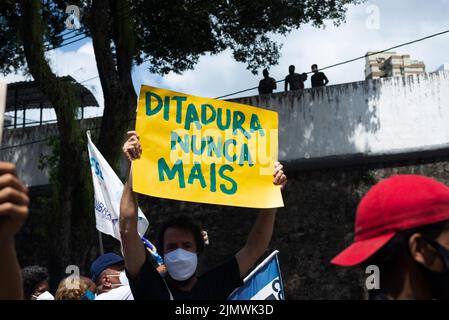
(264,283)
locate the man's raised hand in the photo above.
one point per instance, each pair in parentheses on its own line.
(280,179)
(132,147)
(13,201)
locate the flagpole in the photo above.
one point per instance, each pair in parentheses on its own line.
(280,280)
(100,239)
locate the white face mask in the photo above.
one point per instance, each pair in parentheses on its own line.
(181,264)
(44,296)
(123,278)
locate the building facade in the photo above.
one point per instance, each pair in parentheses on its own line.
(391,64)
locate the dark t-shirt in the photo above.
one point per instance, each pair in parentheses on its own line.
(296,81)
(267,85)
(318,79)
(216,284)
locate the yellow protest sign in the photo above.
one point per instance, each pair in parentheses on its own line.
(205,150)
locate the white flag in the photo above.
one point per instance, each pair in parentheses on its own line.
(108,191)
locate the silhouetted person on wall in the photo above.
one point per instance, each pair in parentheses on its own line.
(295,80)
(318,79)
(267,84)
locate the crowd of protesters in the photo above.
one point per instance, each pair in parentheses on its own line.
(401,226)
(293,81)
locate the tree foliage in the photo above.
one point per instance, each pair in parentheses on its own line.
(173,34)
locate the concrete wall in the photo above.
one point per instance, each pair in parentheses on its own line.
(26,146)
(16,148)
(385,117)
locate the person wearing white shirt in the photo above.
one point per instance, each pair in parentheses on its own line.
(108,273)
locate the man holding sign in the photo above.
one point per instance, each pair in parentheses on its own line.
(201,150)
(181,244)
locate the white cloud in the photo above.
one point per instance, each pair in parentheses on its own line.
(15,77)
(212,76)
(87,48)
(79,64)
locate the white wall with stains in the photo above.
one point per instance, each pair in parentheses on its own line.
(369,117)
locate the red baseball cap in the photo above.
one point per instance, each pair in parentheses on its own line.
(398,203)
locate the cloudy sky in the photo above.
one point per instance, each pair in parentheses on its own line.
(372,26)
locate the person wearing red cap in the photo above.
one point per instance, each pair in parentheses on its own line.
(402,227)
